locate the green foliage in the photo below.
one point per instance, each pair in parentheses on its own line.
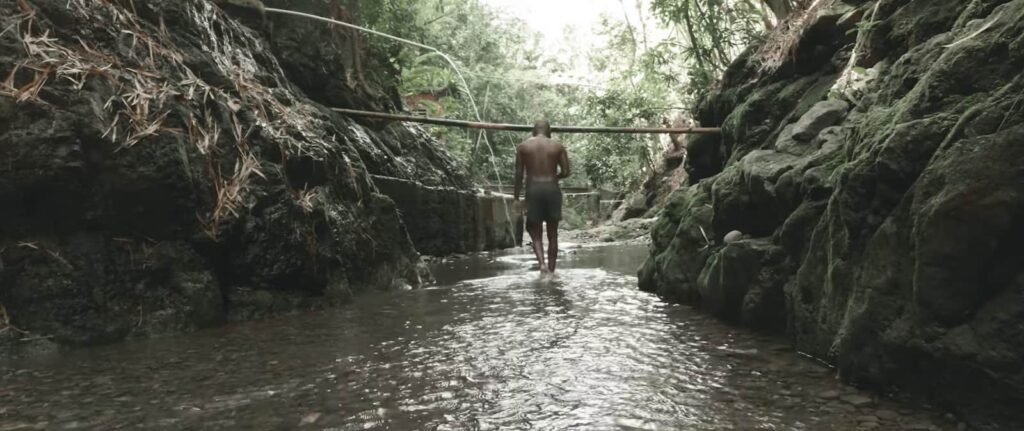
(421,75)
(572,219)
(713,32)
(510,75)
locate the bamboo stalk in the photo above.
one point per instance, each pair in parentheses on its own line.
(524,127)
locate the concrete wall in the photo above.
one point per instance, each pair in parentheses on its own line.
(595,207)
(443,221)
(590,205)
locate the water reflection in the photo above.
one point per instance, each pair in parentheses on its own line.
(501,350)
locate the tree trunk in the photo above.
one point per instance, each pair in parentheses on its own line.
(758,9)
(781,8)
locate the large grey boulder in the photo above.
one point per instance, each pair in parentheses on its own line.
(734,286)
(786,143)
(823,114)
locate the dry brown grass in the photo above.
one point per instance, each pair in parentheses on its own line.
(203,132)
(229,193)
(28,91)
(305,199)
(155,90)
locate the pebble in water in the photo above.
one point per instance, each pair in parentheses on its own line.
(732,237)
(857,400)
(309,419)
(829,395)
(888,415)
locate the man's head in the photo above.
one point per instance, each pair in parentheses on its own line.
(542,128)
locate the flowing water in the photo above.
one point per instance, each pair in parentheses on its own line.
(491,347)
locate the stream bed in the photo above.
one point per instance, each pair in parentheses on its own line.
(491,346)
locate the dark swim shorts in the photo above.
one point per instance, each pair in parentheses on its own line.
(543,202)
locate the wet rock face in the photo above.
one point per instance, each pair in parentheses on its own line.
(821,115)
(654,194)
(331,66)
(161,172)
(890,220)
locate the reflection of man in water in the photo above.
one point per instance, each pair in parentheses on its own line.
(545,161)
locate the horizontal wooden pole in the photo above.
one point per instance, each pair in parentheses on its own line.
(524,127)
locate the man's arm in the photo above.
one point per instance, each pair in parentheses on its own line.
(520,167)
(563,165)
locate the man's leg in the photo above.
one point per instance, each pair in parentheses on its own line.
(520,228)
(538,243)
(552,245)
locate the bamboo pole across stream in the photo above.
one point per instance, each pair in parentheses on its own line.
(524,127)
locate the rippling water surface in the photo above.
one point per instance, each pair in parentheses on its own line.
(492,347)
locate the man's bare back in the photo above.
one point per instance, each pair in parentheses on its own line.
(541,157)
(543,161)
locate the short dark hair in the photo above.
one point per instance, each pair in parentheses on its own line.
(542,127)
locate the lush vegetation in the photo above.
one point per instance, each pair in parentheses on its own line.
(652,61)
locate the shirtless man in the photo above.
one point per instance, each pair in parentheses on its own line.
(544,161)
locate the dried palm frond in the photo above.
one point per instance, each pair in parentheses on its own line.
(229,192)
(56,255)
(155,90)
(305,199)
(25,92)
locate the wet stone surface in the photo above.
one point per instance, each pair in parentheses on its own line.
(502,350)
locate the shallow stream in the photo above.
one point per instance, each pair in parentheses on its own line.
(490,347)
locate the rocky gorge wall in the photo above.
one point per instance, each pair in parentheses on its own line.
(667,176)
(165,168)
(866,197)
